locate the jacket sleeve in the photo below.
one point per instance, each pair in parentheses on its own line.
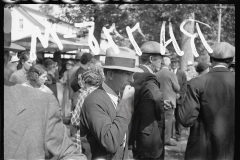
(57,142)
(184,85)
(75,86)
(110,134)
(190,108)
(176,86)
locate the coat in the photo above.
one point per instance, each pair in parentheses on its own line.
(147,127)
(182,81)
(169,84)
(103,128)
(209,110)
(33,128)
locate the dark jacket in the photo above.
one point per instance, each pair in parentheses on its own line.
(147,127)
(103,128)
(209,109)
(182,81)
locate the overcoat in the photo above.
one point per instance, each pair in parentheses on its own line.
(33,128)
(209,110)
(147,127)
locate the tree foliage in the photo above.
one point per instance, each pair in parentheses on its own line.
(46,8)
(151,17)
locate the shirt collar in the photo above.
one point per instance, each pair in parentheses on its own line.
(149,69)
(111,93)
(219,66)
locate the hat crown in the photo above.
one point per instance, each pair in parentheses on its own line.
(124,60)
(152,47)
(223,50)
(124,52)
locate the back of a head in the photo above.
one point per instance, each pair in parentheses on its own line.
(25,55)
(86,57)
(201,67)
(166,61)
(35,71)
(91,77)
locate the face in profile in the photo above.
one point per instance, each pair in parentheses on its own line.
(121,79)
(156,63)
(27,64)
(42,79)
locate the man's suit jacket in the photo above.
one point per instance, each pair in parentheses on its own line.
(182,81)
(33,128)
(209,110)
(147,127)
(169,84)
(102,127)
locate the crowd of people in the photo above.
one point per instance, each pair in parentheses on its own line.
(117,106)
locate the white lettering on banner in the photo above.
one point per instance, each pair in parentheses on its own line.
(91,39)
(43,39)
(109,38)
(172,39)
(131,38)
(193,36)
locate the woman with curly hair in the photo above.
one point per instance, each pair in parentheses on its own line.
(20,76)
(37,76)
(88,81)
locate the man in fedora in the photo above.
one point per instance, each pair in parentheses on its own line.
(107,111)
(147,128)
(182,81)
(209,109)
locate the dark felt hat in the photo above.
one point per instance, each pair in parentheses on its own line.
(174,59)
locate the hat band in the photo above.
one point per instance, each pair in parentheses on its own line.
(119,61)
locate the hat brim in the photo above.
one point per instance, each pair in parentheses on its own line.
(136,69)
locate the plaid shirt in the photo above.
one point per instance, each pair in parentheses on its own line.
(75,120)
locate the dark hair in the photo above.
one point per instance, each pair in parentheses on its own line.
(25,55)
(227,60)
(86,57)
(201,67)
(35,71)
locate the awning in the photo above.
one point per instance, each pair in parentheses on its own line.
(14,47)
(69,44)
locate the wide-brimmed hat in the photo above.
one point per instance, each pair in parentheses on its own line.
(125,60)
(223,50)
(152,47)
(14,59)
(70,62)
(174,59)
(189,63)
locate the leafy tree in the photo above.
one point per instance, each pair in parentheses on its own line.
(151,17)
(46,8)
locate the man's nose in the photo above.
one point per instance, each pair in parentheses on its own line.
(131,79)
